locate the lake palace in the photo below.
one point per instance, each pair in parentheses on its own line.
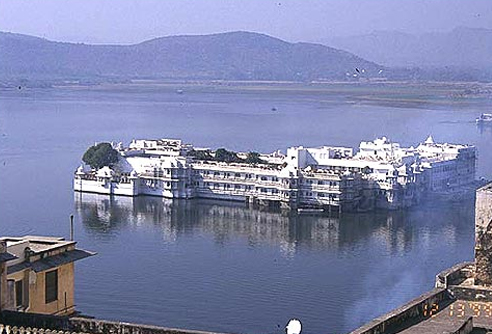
(380,175)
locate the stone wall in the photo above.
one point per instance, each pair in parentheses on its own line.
(483,236)
(84,325)
(466,328)
(406,315)
(95,326)
(455,275)
(471,293)
(34,320)
(6,329)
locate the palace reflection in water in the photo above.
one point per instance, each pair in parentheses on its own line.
(104,215)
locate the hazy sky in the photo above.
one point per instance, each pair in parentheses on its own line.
(130,21)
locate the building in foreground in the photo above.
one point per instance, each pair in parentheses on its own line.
(381,174)
(37,274)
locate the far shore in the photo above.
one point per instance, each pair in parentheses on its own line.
(405,94)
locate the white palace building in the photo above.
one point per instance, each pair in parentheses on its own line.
(380,175)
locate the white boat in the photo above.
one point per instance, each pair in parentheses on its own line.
(484,118)
(309,211)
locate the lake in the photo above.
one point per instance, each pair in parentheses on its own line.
(220,266)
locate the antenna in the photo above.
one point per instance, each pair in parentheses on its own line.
(71,227)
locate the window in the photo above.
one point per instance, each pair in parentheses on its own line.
(19,297)
(51,286)
(10,293)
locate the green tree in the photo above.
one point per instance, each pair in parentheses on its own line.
(224,155)
(100,155)
(201,154)
(254,158)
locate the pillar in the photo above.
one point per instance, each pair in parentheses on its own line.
(3,277)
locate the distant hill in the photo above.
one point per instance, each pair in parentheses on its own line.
(227,56)
(466,48)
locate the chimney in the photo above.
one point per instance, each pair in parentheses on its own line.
(483,236)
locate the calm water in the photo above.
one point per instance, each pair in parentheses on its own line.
(219,266)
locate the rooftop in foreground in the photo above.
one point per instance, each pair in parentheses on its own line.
(486,188)
(38,244)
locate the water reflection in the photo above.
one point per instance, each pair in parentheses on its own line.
(397,232)
(484,128)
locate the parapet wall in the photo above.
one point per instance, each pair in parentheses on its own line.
(408,314)
(33,320)
(95,326)
(455,275)
(84,325)
(472,293)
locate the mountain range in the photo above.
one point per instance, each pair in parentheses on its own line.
(224,56)
(463,54)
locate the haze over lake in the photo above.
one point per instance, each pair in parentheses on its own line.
(220,266)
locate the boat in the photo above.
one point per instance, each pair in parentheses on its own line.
(309,211)
(484,118)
